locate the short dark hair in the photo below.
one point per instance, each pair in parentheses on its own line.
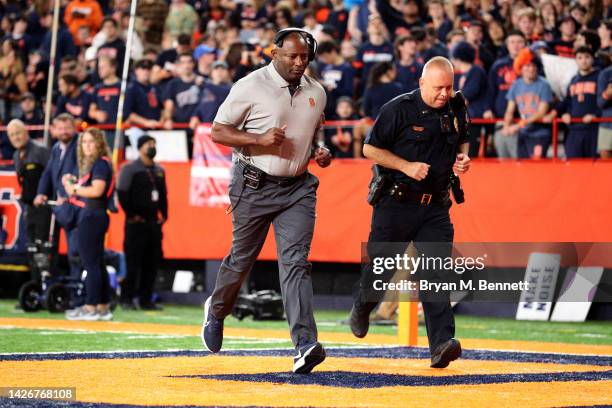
(184,39)
(326,47)
(70,79)
(185,54)
(64,117)
(585,49)
(109,19)
(515,32)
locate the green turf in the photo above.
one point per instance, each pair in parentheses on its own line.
(22,340)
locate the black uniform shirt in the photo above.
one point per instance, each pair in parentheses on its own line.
(142,191)
(29,167)
(414,131)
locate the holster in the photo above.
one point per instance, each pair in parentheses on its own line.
(377,185)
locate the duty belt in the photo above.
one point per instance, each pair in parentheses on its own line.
(401,192)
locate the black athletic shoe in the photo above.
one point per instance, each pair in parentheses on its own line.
(359,321)
(212,330)
(446,352)
(151,306)
(308,357)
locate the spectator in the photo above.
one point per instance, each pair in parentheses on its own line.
(604,102)
(409,70)
(65,42)
(311,25)
(13,82)
(501,77)
(105,96)
(526,22)
(438,19)
(32,115)
(381,88)
(338,18)
(165,68)
(376,49)
(337,75)
(204,57)
(113,46)
(212,95)
(471,79)
(339,139)
(143,102)
(182,94)
(83,13)
(22,38)
(604,30)
(401,19)
(181,19)
(72,99)
(428,44)
(549,21)
(474,35)
(581,102)
(564,46)
(152,15)
(532,95)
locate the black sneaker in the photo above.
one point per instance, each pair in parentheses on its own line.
(308,357)
(212,330)
(151,306)
(359,321)
(446,352)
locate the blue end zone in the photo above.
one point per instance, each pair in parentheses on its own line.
(371,352)
(350,379)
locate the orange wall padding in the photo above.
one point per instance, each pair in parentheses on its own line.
(508,201)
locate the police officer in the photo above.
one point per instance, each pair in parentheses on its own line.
(143,197)
(30,161)
(63,160)
(419,138)
(271,117)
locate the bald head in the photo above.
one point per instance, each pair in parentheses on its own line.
(436,82)
(291,57)
(17,133)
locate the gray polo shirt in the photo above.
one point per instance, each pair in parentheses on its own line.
(261,101)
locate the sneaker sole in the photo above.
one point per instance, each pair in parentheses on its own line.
(312,358)
(449,354)
(206,307)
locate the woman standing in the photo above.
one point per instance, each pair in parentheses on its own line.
(91,193)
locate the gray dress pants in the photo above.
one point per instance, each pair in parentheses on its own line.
(291,210)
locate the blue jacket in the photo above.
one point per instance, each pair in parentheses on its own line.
(51,180)
(605,77)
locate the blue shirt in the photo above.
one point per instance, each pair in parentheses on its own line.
(528,97)
(473,84)
(106,98)
(186,96)
(77,107)
(142,100)
(605,78)
(581,99)
(378,95)
(211,97)
(501,78)
(337,81)
(408,75)
(100,170)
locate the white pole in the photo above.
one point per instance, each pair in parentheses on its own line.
(51,78)
(118,147)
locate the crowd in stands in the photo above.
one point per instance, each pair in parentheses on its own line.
(186,55)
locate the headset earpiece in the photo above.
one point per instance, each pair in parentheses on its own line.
(310,40)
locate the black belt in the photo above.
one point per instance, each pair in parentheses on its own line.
(401,192)
(281,181)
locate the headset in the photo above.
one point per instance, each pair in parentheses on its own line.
(310,40)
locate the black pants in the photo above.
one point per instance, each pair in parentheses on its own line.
(431,230)
(92,227)
(143,252)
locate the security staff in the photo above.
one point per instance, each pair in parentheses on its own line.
(143,197)
(271,117)
(63,160)
(419,138)
(30,161)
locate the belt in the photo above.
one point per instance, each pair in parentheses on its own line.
(279,180)
(401,192)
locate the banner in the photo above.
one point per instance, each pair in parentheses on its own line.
(210,170)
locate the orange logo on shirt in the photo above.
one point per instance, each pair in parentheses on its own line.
(312,102)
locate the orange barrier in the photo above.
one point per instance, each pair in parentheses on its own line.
(506,201)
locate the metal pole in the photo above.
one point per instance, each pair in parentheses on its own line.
(118,150)
(51,78)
